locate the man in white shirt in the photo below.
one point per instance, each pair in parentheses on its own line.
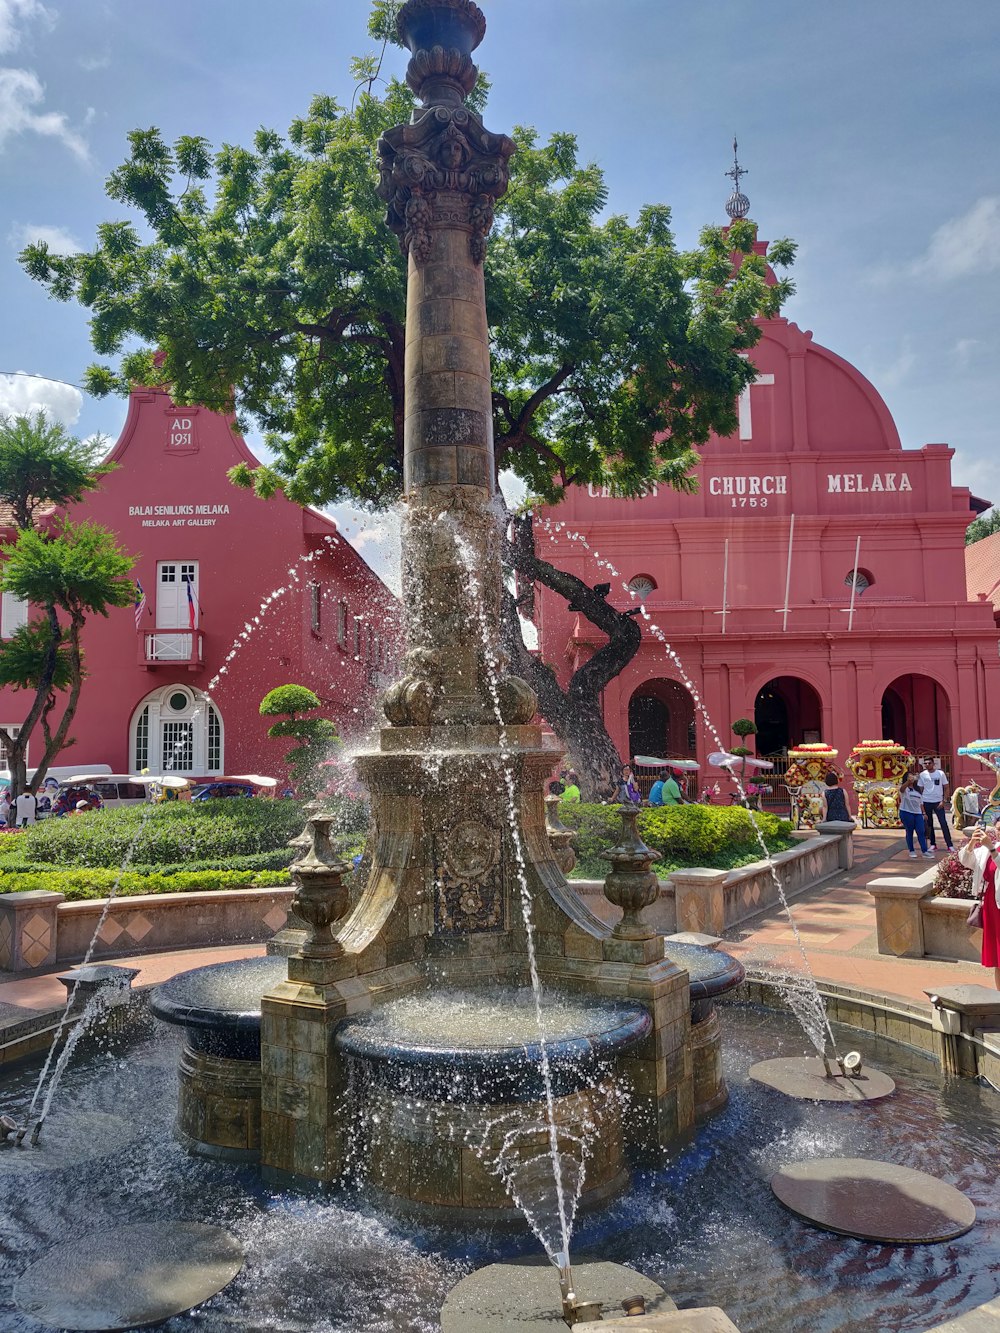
(26,808)
(932,784)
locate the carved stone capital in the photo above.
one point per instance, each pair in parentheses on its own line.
(443,169)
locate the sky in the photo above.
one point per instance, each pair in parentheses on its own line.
(868,129)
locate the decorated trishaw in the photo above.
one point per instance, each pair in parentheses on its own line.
(808,766)
(878,767)
(988,753)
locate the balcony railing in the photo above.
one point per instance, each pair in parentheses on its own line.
(171,647)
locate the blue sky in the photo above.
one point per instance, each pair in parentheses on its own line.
(868,128)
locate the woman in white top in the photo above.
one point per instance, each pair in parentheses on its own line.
(979,855)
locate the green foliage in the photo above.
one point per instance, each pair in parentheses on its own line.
(78,885)
(316,735)
(713,836)
(983,526)
(290,699)
(613,353)
(42,464)
(80,569)
(24,656)
(744,726)
(167,834)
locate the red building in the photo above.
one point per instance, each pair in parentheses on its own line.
(751,578)
(240,595)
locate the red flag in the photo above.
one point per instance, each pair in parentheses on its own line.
(190,596)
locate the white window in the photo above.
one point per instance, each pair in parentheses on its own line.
(863,581)
(13,732)
(13,614)
(177,594)
(177,730)
(641,586)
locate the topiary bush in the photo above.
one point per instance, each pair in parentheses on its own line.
(713,836)
(164,834)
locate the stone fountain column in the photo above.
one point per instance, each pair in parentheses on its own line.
(457,781)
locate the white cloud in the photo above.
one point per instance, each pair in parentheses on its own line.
(59,241)
(20,91)
(376,538)
(979,474)
(896,372)
(91,64)
(964,245)
(965,351)
(14,14)
(22,394)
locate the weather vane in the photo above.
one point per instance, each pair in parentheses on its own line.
(737,205)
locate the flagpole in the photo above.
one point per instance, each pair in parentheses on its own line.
(854,583)
(788,573)
(725,585)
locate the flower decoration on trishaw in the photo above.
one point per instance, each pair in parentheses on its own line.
(878,767)
(808,766)
(976,810)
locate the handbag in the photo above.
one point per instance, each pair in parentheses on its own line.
(975,918)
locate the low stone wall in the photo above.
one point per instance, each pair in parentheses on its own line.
(710,901)
(912,922)
(40,930)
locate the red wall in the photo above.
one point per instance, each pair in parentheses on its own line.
(818,444)
(170,501)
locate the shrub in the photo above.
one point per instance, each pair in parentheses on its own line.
(952,879)
(98,882)
(171,833)
(685,835)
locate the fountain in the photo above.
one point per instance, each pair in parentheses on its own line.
(468,1044)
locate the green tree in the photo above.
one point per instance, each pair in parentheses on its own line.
(272,287)
(743,727)
(983,526)
(315,735)
(66,571)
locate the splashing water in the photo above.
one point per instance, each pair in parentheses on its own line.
(802,993)
(565,1203)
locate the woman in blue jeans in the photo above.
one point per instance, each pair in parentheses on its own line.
(911,812)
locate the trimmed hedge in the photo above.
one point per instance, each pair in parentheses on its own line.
(171,834)
(98,882)
(715,836)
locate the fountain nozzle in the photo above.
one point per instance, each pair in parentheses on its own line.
(574,1311)
(37,1131)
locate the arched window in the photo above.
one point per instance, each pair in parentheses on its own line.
(864,580)
(177,730)
(641,586)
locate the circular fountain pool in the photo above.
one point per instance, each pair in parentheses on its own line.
(706,1228)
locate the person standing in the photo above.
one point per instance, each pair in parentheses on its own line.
(911,812)
(26,806)
(933,781)
(979,854)
(835,801)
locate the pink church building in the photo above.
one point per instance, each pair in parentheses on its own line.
(238,595)
(752,580)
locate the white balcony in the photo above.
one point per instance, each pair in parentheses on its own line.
(171,648)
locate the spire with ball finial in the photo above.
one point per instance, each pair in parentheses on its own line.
(737,205)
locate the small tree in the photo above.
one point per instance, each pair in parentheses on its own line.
(68,572)
(315,735)
(72,572)
(743,727)
(984,526)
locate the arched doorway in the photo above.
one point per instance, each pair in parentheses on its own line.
(788,712)
(661,720)
(915,712)
(177,730)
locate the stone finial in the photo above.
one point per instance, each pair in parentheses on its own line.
(441,36)
(560,837)
(631,885)
(321,897)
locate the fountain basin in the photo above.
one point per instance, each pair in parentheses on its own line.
(711,973)
(450,1100)
(218,1102)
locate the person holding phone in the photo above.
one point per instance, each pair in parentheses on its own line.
(979,854)
(911,812)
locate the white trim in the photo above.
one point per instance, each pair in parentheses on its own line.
(161,714)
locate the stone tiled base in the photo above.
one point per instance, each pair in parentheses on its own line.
(218,1106)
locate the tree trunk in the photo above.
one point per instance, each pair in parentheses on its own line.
(574,713)
(57,741)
